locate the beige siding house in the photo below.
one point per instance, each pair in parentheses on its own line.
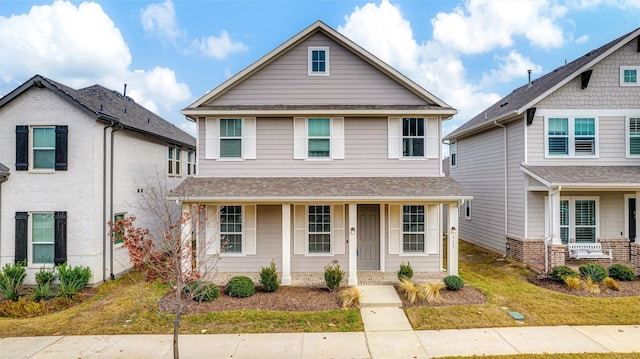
(557,161)
(71,161)
(320,153)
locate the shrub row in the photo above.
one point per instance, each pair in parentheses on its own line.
(71,281)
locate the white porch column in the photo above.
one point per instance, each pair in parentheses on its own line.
(452,240)
(286,244)
(353,244)
(554,205)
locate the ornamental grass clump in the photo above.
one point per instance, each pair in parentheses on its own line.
(350,297)
(595,272)
(406,271)
(611,284)
(11,279)
(453,282)
(269,278)
(573,282)
(333,276)
(431,292)
(240,286)
(410,290)
(590,285)
(622,272)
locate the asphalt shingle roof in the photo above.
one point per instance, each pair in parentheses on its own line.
(319,188)
(4,170)
(588,175)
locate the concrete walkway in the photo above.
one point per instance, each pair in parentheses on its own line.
(387,334)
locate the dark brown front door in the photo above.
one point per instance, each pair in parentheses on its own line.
(368,237)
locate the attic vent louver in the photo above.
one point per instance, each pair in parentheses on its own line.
(585,77)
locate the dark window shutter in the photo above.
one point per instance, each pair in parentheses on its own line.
(21,236)
(60,247)
(62,134)
(22,148)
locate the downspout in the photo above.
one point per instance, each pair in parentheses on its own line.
(506,202)
(104,198)
(546,240)
(117,128)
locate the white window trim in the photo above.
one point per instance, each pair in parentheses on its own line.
(330,138)
(231,138)
(212,139)
(402,232)
(327,58)
(453,154)
(31,149)
(171,158)
(301,140)
(30,260)
(572,215)
(307,233)
(622,69)
(572,136)
(242,233)
(466,207)
(627,136)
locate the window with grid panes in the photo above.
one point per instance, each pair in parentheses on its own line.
(413,137)
(585,221)
(230,137)
(42,238)
(319,137)
(413,228)
(564,221)
(231,229)
(319,229)
(44,147)
(634,136)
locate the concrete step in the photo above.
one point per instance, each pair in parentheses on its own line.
(378,296)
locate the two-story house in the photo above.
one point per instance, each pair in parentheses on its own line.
(320,153)
(73,160)
(557,161)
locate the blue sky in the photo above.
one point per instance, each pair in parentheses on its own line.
(170,53)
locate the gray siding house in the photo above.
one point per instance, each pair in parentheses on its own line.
(320,153)
(557,161)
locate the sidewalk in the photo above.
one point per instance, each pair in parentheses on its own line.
(387,335)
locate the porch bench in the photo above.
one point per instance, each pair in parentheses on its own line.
(588,251)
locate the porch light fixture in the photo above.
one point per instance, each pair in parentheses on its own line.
(353,230)
(454,230)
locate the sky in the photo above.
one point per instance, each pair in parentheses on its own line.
(172,52)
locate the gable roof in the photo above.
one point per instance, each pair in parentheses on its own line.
(526,96)
(106,105)
(320,27)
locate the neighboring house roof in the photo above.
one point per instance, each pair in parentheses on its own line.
(585,176)
(108,105)
(434,103)
(525,97)
(4,172)
(264,189)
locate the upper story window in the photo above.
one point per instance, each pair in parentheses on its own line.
(571,136)
(318,138)
(629,75)
(453,153)
(633,136)
(231,137)
(174,160)
(178,165)
(413,137)
(191,162)
(318,61)
(41,148)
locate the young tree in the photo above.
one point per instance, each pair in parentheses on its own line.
(171,246)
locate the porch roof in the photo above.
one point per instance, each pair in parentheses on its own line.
(301,189)
(586,177)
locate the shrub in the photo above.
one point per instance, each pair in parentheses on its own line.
(596,272)
(43,291)
(333,276)
(405,271)
(46,276)
(559,273)
(73,280)
(453,282)
(622,272)
(206,293)
(350,297)
(572,282)
(410,290)
(240,286)
(191,287)
(22,308)
(611,283)
(11,279)
(269,278)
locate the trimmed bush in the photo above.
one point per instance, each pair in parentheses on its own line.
(241,287)
(405,271)
(333,276)
(453,282)
(622,272)
(269,278)
(206,293)
(11,279)
(559,273)
(46,276)
(73,280)
(596,272)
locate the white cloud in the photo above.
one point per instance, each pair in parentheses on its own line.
(582,39)
(218,47)
(81,46)
(622,4)
(160,19)
(514,65)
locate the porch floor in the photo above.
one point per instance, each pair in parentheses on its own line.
(316,279)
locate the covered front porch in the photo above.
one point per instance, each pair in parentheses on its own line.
(367,225)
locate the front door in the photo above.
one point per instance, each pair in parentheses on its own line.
(368,237)
(632,218)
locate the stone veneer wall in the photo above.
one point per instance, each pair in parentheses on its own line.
(527,251)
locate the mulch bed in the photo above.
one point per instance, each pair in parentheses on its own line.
(467,295)
(627,289)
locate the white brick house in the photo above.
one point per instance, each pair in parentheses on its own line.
(73,160)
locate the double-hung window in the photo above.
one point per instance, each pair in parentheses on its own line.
(118,228)
(171,160)
(42,238)
(44,148)
(231,137)
(629,76)
(413,228)
(191,162)
(564,221)
(41,148)
(178,165)
(633,136)
(578,219)
(319,137)
(571,136)
(320,229)
(318,61)
(231,229)
(453,153)
(413,139)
